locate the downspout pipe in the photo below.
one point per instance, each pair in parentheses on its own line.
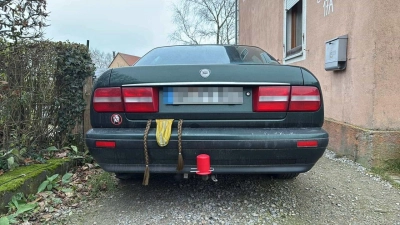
(236,22)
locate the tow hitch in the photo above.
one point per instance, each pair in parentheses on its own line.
(203,168)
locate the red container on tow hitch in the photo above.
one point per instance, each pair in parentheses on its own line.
(203,165)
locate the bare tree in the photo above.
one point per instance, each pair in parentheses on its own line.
(22,19)
(100,59)
(200,21)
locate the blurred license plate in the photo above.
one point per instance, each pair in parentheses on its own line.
(202,95)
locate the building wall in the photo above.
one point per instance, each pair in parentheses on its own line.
(118,62)
(387,65)
(365,95)
(261,25)
(348,95)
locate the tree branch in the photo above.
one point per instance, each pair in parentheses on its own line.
(22,19)
(203,20)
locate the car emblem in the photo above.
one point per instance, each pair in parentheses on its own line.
(205,73)
(116,119)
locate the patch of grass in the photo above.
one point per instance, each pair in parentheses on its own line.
(390,167)
(394,166)
(102,182)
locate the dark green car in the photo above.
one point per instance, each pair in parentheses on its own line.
(235,106)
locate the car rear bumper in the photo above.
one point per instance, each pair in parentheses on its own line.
(231,150)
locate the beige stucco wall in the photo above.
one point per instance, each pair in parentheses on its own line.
(118,62)
(387,65)
(261,25)
(366,94)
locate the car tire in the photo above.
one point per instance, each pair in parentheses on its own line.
(127,176)
(285,176)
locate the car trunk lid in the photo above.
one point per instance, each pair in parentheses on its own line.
(146,75)
(183,93)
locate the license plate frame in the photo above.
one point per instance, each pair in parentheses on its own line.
(203,95)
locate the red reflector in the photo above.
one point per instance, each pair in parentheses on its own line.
(305,144)
(140,99)
(271,98)
(105,144)
(305,98)
(108,100)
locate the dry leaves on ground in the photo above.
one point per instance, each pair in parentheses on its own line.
(55,203)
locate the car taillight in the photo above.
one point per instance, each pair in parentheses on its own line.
(108,100)
(271,98)
(140,99)
(276,99)
(304,98)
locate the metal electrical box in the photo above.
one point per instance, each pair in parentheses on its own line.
(336,53)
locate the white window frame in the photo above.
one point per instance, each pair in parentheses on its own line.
(300,56)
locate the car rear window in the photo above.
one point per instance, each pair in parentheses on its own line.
(205,54)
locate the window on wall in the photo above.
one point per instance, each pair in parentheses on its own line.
(294,30)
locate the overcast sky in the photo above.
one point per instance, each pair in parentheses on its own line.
(128,26)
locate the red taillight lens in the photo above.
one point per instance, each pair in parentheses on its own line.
(105,144)
(140,99)
(307,144)
(108,100)
(276,99)
(271,98)
(305,98)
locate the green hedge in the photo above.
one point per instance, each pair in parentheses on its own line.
(41,85)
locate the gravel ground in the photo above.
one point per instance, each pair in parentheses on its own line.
(335,191)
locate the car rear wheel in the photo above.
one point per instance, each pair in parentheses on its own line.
(285,176)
